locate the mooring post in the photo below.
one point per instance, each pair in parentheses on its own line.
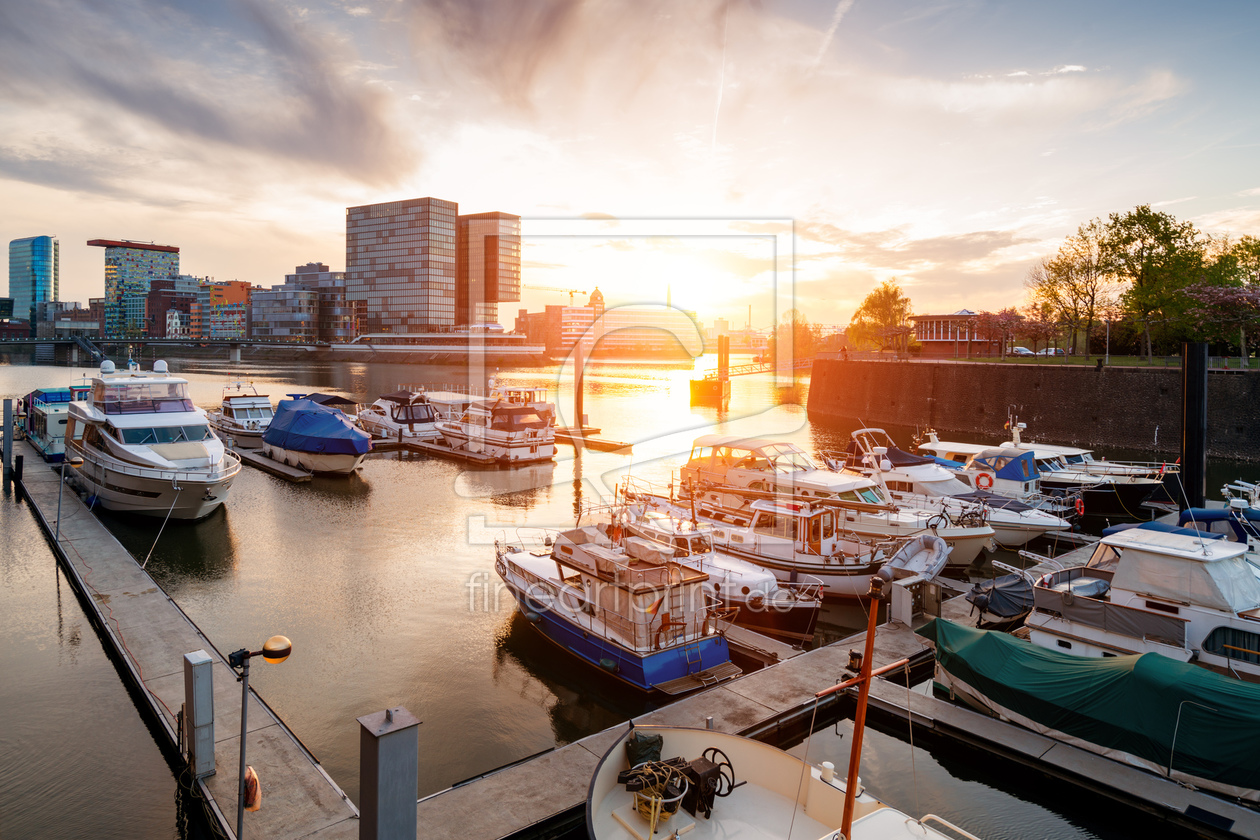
(8,436)
(1194,367)
(389,773)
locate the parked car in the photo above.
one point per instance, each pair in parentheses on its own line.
(1051,351)
(1021,351)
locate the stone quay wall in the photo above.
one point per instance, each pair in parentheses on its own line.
(1075,405)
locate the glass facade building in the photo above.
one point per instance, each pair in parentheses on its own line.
(488,268)
(34,274)
(286,313)
(400,262)
(130,269)
(338,320)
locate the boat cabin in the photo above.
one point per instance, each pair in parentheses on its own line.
(767,465)
(409,408)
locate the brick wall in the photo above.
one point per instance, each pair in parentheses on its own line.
(1071,405)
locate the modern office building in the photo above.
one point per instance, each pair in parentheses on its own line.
(487,266)
(221,310)
(130,269)
(338,318)
(400,262)
(34,274)
(285,313)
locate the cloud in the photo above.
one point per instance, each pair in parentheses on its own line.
(1069,68)
(244,76)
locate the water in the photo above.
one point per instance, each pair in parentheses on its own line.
(385,583)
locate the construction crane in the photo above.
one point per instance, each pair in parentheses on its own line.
(569,292)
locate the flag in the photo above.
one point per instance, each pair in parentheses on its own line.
(652,610)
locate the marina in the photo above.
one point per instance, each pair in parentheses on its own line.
(578,705)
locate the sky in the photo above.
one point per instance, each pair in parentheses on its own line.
(731,156)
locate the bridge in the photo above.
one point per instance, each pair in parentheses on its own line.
(763,367)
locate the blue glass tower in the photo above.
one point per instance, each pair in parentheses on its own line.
(34,268)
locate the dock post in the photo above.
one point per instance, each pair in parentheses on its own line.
(8,436)
(389,774)
(1194,366)
(199,712)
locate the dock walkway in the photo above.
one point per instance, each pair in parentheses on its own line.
(149,634)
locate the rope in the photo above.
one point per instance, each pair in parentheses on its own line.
(178,490)
(914,770)
(804,763)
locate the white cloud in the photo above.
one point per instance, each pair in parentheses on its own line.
(1069,68)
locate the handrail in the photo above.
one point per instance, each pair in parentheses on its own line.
(166,475)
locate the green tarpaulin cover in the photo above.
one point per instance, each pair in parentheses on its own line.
(1125,703)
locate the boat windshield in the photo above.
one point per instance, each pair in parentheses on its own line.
(869,495)
(164,434)
(791,461)
(1074,459)
(517,418)
(141,397)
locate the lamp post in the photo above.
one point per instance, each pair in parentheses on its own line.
(75,462)
(275,651)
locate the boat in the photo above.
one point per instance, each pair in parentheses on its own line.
(800,541)
(627,607)
(671,782)
(1003,471)
(403,416)
(242,416)
(1118,495)
(511,425)
(46,412)
(1004,601)
(1188,596)
(920,482)
(1146,710)
(732,472)
(315,438)
(146,448)
(786,610)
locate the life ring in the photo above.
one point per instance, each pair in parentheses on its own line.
(1080,506)
(615,534)
(984,481)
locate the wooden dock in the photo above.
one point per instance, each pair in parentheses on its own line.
(587,438)
(149,634)
(259,461)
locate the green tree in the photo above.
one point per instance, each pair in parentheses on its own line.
(883,319)
(1156,256)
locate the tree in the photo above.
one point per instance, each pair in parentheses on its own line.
(1157,256)
(1039,325)
(797,332)
(883,319)
(1227,297)
(1000,326)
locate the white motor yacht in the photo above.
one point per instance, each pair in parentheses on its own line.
(511,425)
(733,472)
(146,448)
(242,416)
(920,482)
(45,422)
(1189,597)
(404,416)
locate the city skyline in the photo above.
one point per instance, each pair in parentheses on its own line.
(948,145)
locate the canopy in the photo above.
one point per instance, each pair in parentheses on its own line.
(1010,464)
(1137,705)
(328,399)
(306,426)
(404,397)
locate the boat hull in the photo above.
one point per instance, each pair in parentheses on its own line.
(643,671)
(237,437)
(515,448)
(319,462)
(155,493)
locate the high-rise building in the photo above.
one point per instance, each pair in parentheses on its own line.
(130,269)
(338,318)
(400,261)
(488,266)
(34,274)
(221,310)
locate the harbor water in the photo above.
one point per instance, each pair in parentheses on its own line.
(385,583)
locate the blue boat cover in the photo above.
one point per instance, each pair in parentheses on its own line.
(1012,464)
(305,426)
(1244,523)
(1155,525)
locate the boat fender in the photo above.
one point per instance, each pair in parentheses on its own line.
(531,616)
(984,481)
(609,666)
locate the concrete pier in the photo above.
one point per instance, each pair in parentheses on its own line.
(149,634)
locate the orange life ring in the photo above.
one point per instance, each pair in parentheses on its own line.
(984,481)
(615,535)
(1080,506)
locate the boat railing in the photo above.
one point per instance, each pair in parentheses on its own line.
(1120,619)
(231,461)
(650,630)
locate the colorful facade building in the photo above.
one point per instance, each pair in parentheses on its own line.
(130,269)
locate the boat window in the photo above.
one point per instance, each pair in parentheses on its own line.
(848,496)
(702,453)
(815,529)
(1104,557)
(872,495)
(1232,643)
(197,433)
(828,525)
(1075,459)
(755,463)
(138,437)
(142,397)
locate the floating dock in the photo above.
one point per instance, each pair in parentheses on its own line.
(587,437)
(545,795)
(259,461)
(149,634)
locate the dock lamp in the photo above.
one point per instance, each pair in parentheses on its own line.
(276,650)
(75,462)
